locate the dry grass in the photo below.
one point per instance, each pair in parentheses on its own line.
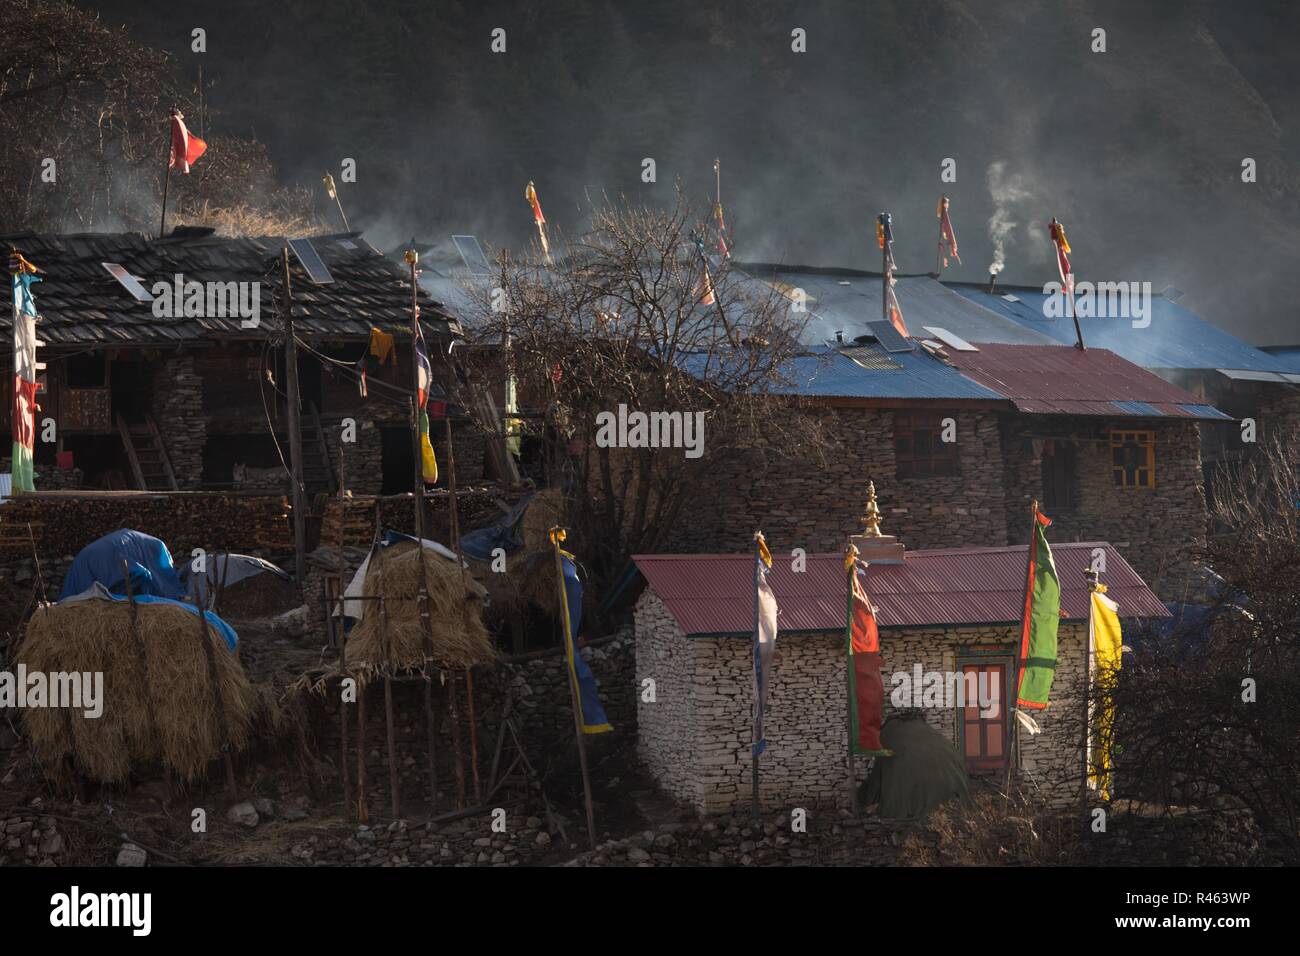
(169,718)
(991,830)
(530,577)
(390,639)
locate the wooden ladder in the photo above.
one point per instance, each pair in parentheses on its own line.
(144,450)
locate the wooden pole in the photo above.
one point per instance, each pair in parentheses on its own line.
(884,280)
(339,606)
(218,698)
(850,568)
(426,621)
(758,693)
(453,521)
(1029,585)
(295,429)
(938,254)
(458,759)
(363,811)
(167,179)
(557,535)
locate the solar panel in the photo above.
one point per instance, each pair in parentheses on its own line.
(311,261)
(888,336)
(1011,298)
(128,282)
(949,339)
(475,261)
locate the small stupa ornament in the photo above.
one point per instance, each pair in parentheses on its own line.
(873,546)
(871,520)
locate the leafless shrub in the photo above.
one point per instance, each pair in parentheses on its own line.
(621,317)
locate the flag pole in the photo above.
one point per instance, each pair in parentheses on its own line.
(558,534)
(938,255)
(884,278)
(422,592)
(758,696)
(1090,578)
(1029,585)
(850,569)
(167,178)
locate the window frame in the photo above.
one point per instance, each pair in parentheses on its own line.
(907,464)
(1144,438)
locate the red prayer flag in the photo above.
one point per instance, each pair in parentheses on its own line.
(867,688)
(186,149)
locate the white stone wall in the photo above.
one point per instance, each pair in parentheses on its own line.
(666,738)
(695,737)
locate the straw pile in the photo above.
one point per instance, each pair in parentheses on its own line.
(183,733)
(390,640)
(529,579)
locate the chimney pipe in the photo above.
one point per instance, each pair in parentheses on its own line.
(993,278)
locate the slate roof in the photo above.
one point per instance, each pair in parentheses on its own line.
(82,304)
(713,594)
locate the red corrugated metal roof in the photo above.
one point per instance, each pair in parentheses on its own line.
(714,593)
(1061,379)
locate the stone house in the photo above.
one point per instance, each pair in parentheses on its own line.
(1261,384)
(1111,450)
(175,399)
(954,611)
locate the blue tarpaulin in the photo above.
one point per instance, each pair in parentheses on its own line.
(97,592)
(504,533)
(149,564)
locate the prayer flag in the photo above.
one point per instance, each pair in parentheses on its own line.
(866,687)
(592,713)
(765,615)
(1040,620)
(186,149)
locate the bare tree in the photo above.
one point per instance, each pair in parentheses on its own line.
(633,314)
(95,103)
(1209,715)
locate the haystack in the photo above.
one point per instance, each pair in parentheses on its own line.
(390,639)
(530,578)
(182,731)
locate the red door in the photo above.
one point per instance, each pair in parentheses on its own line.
(984,730)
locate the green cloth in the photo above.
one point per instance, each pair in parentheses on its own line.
(925,771)
(1041,622)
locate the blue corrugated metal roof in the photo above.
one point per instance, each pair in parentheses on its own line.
(1287,355)
(1137,408)
(828,373)
(1176,337)
(844,300)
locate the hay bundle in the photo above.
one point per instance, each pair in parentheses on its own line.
(530,572)
(184,731)
(396,644)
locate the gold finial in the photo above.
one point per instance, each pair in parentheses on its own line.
(871,520)
(411,257)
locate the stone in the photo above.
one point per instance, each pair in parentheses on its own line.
(131,855)
(243,814)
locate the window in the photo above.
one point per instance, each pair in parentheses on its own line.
(1133,459)
(984,730)
(919,448)
(1060,475)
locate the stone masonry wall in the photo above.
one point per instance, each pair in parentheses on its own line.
(1155,529)
(815,503)
(178,410)
(695,738)
(666,741)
